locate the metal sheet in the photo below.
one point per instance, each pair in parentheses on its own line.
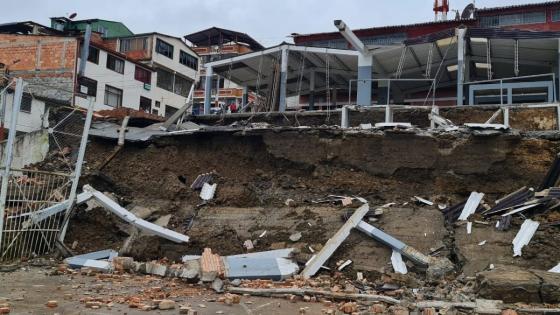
(275,269)
(555,269)
(524,236)
(208,191)
(472,204)
(487,126)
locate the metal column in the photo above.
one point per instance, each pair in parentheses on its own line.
(365,70)
(312,90)
(208,90)
(283,79)
(78,169)
(460,64)
(9,152)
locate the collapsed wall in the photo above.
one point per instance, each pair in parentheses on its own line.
(258,170)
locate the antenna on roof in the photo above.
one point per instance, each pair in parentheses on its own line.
(72,16)
(468,12)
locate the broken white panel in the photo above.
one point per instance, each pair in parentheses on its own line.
(424,201)
(366,126)
(278,253)
(315,263)
(555,269)
(471,205)
(520,210)
(469,228)
(482,243)
(344,265)
(524,236)
(76,262)
(124,214)
(398,264)
(208,191)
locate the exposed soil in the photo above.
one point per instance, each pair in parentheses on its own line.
(258,171)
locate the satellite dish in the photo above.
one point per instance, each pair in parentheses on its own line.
(72,16)
(468,11)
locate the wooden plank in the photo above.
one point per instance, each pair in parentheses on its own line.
(334,242)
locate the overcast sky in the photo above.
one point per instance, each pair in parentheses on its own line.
(268,21)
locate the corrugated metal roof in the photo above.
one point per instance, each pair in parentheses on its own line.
(517,6)
(524,236)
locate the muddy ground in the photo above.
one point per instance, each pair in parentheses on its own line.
(257,171)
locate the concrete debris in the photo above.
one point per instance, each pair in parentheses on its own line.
(313,292)
(248,244)
(482,243)
(100,260)
(398,264)
(469,228)
(366,126)
(393,125)
(524,236)
(208,191)
(295,237)
(514,284)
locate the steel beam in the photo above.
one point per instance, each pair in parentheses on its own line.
(9,152)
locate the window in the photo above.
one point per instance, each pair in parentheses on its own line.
(556,15)
(88,86)
(113,96)
(513,19)
(115,64)
(165,79)
(143,75)
(169,111)
(164,48)
(157,104)
(132,44)
(188,60)
(182,86)
(103,30)
(145,104)
(93,55)
(26,101)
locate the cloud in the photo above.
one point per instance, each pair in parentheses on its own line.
(268,21)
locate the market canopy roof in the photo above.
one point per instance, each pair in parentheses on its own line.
(218,36)
(418,58)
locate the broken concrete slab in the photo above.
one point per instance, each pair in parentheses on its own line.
(513,284)
(398,264)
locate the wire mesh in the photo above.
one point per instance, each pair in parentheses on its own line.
(65,135)
(28,230)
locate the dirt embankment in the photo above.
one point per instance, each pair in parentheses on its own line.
(259,170)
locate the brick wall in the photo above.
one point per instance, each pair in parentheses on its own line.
(44,61)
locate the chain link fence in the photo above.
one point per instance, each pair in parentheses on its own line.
(35,201)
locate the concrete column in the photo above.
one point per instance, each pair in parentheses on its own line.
(284,79)
(558,74)
(365,70)
(208,90)
(312,90)
(460,64)
(245,97)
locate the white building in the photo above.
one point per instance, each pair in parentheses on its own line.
(174,63)
(149,72)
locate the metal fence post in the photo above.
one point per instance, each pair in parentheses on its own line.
(77,170)
(9,152)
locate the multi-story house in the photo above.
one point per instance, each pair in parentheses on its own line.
(175,66)
(214,44)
